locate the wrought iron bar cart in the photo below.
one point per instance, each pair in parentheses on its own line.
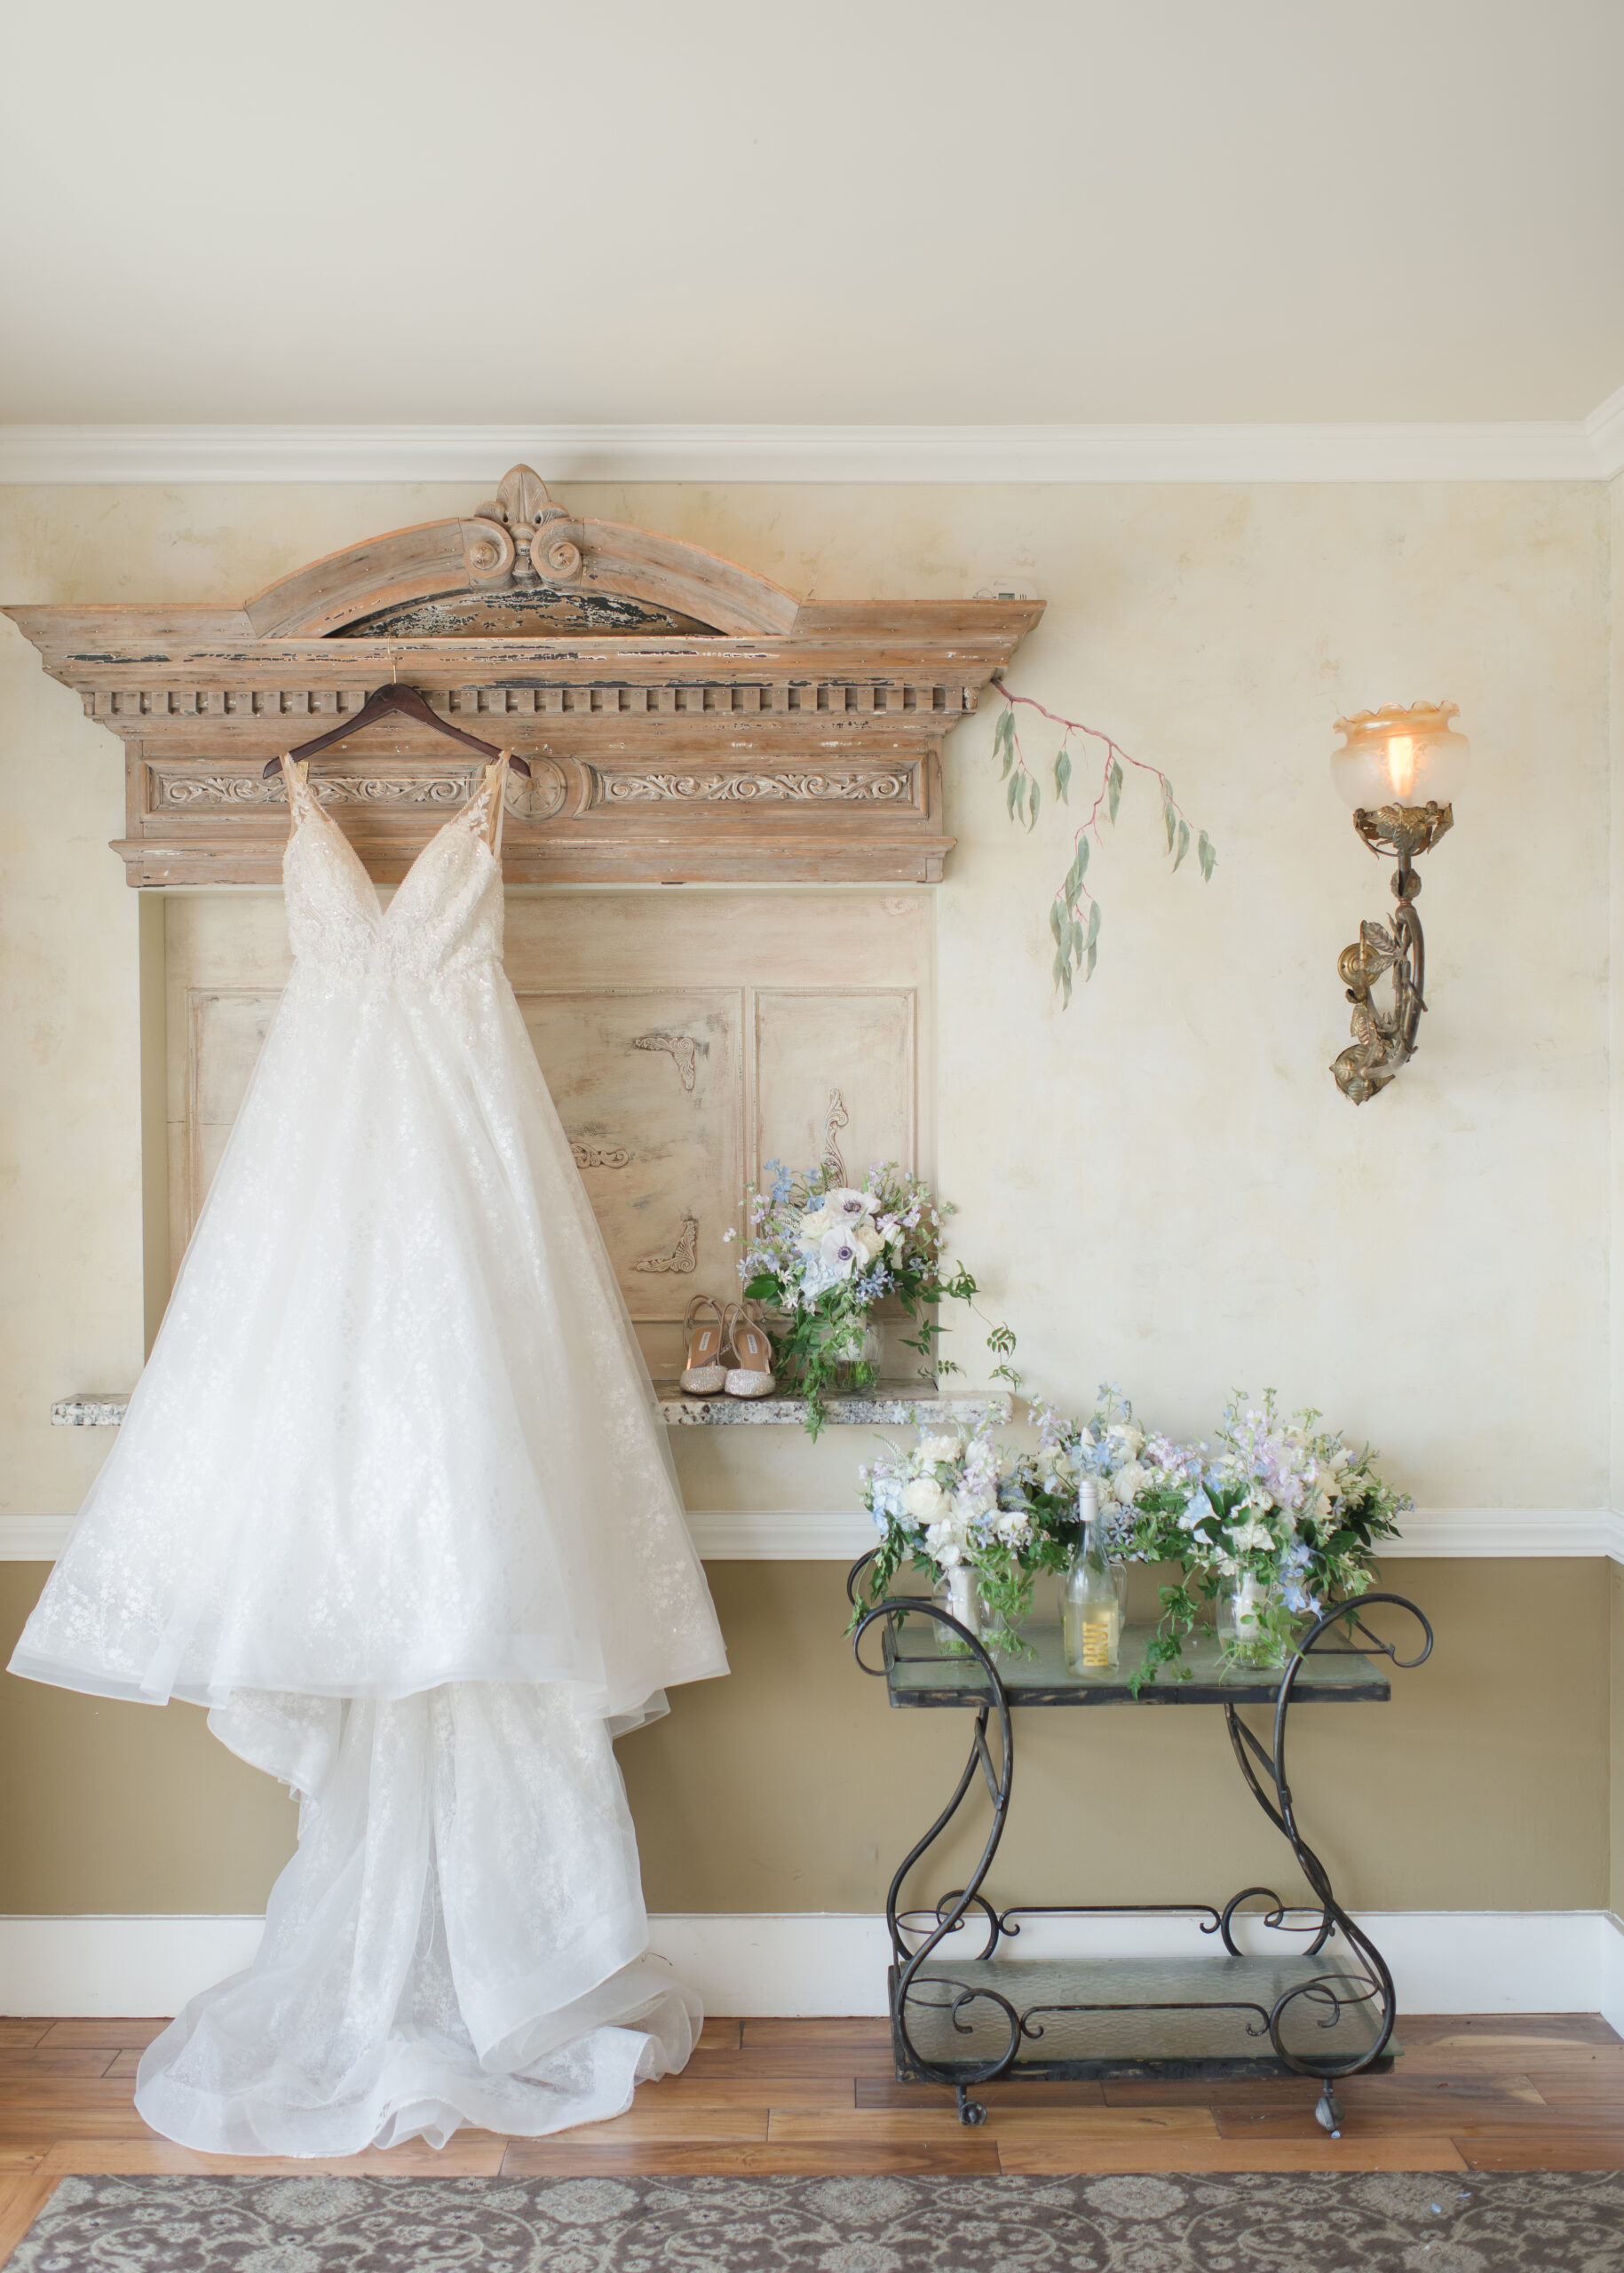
(965,2020)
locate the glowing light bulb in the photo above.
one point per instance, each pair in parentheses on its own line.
(1399,756)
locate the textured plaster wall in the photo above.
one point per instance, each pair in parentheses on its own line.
(1161,1184)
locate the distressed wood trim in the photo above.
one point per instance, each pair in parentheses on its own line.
(790,743)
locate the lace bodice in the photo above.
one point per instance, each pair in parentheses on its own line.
(445,919)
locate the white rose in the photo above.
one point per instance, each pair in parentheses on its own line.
(815,1226)
(867,1237)
(925,1500)
(1128,1482)
(1129,1436)
(934,1448)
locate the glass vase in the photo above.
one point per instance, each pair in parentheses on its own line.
(856,1356)
(955,1593)
(1254,1627)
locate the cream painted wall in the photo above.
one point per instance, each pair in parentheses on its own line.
(1161,1184)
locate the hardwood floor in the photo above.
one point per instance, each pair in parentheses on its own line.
(814,2096)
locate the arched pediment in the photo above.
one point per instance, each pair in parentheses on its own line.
(520,568)
(684,719)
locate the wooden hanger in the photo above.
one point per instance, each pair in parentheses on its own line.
(410,702)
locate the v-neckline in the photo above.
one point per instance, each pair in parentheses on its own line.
(380,914)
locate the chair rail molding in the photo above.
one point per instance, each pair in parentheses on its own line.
(1578,450)
(841,1534)
(686,719)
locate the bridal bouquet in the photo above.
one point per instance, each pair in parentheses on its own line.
(956,1503)
(821,1253)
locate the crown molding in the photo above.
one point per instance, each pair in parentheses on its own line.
(1514,450)
(1605,429)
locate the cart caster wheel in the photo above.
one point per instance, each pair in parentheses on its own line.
(971,2111)
(1328,2112)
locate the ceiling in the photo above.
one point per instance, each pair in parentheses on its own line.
(886,211)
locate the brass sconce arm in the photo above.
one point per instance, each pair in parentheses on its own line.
(1384,1035)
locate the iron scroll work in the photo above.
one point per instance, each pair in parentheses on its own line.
(1057,2020)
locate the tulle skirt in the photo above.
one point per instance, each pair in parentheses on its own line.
(457,1940)
(396,1432)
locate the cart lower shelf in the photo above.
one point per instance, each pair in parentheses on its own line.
(1123,2017)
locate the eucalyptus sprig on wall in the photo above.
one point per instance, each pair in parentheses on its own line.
(1077,938)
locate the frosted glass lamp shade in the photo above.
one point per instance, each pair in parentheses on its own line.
(1395,756)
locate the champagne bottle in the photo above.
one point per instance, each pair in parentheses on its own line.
(1093,1614)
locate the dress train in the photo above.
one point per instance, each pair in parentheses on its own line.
(456,1940)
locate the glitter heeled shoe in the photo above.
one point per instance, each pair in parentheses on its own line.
(704,1371)
(751,1373)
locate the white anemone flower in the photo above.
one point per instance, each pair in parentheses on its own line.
(840,1253)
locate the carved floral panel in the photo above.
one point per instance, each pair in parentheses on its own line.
(835,1078)
(648,1086)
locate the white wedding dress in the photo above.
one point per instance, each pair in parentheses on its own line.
(392,1500)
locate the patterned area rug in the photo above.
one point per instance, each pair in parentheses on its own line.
(1535,2222)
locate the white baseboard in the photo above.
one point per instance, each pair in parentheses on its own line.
(833,1963)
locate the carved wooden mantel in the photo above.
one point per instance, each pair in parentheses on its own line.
(686,720)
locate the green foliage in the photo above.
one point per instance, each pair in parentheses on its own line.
(817,1314)
(1077,940)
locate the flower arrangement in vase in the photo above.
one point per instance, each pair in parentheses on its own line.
(1284,1524)
(957,1508)
(820,1253)
(1281,1522)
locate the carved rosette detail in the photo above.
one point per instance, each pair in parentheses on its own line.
(539,797)
(556,558)
(489,551)
(858,785)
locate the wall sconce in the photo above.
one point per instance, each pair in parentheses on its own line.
(1390,760)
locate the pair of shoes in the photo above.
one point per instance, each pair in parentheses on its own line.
(727,1350)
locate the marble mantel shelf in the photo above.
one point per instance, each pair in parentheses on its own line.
(887,1404)
(890,1404)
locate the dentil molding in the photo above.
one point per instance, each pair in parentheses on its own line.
(683,718)
(1586,449)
